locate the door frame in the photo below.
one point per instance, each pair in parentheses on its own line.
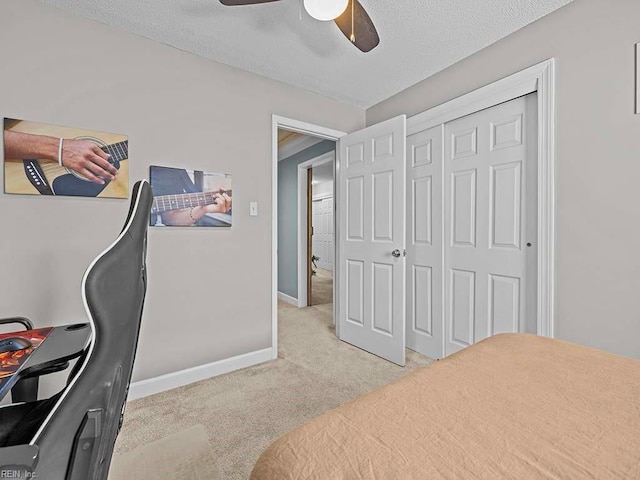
(293,125)
(538,78)
(302,219)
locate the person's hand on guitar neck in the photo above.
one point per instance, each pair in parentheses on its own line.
(190,216)
(222,204)
(81,156)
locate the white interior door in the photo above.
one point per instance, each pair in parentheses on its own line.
(322,240)
(371,176)
(425,328)
(490,204)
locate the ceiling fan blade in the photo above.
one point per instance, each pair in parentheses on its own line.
(363,34)
(233,3)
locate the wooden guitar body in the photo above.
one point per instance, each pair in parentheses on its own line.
(62,181)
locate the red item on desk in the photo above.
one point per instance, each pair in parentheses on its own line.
(10,362)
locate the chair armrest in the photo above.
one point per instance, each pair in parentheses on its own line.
(45,369)
(24,321)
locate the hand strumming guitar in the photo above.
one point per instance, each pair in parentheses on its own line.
(82,156)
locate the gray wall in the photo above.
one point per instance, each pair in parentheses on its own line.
(288,215)
(597,158)
(178,110)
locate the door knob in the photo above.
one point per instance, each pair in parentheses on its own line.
(396,253)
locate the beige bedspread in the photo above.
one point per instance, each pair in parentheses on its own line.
(513,406)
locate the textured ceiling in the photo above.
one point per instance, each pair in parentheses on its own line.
(279,40)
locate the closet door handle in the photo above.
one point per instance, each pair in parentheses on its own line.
(396,253)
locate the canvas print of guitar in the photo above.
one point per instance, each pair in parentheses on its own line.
(45,159)
(188,198)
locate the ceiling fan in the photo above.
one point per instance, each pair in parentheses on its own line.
(349,15)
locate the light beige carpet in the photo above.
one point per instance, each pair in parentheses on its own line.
(183,455)
(322,287)
(243,411)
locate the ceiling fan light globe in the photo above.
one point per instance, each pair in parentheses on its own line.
(325,10)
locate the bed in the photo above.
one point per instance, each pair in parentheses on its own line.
(512,406)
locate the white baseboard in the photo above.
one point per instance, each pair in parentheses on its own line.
(286,298)
(144,388)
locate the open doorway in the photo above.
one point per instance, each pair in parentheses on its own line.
(320,219)
(305,218)
(289,254)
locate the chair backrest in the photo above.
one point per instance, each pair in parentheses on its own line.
(76,439)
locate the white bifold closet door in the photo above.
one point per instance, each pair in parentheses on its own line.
(490,212)
(471,228)
(322,239)
(425,328)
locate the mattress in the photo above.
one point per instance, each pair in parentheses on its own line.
(512,406)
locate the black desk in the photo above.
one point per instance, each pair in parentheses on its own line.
(50,347)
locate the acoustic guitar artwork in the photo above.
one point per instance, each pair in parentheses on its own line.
(176,189)
(44,177)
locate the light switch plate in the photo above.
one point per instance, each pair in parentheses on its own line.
(638,78)
(253,209)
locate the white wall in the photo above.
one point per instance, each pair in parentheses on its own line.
(597,158)
(323,189)
(208,288)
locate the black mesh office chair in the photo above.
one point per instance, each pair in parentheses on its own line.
(71,435)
